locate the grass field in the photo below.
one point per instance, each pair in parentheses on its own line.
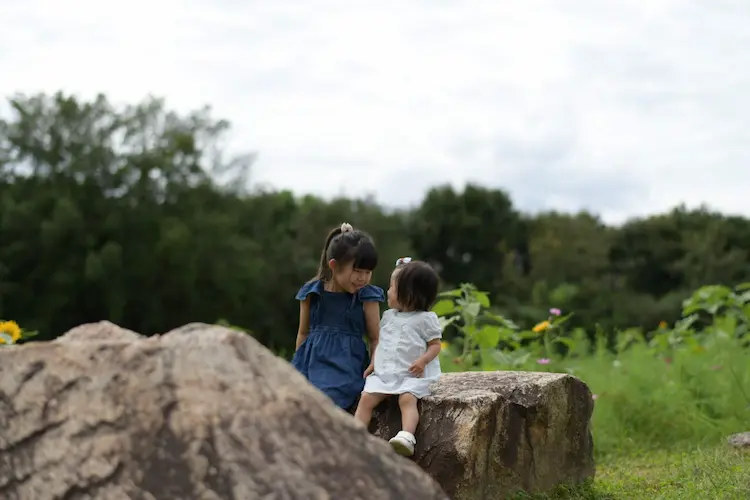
(660,424)
(713,474)
(665,401)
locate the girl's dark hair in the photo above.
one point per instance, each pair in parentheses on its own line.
(417,286)
(345,244)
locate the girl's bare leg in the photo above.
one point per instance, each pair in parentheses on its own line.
(367,404)
(409,413)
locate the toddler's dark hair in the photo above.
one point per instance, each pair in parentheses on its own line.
(417,286)
(346,244)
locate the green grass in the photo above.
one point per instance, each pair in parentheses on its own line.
(648,402)
(691,399)
(718,473)
(660,420)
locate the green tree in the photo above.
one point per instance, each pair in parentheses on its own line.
(102,207)
(467,235)
(135,214)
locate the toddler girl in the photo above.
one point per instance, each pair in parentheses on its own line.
(406,358)
(337,308)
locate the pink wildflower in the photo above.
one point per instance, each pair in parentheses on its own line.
(555,311)
(594,397)
(543,361)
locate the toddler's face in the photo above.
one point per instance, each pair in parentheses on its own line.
(393,292)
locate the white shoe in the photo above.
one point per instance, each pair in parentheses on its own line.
(403,443)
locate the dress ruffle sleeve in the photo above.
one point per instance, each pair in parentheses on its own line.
(372,293)
(315,286)
(429,329)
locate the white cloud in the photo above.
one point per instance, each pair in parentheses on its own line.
(620,107)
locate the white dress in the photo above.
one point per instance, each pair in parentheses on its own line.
(403,339)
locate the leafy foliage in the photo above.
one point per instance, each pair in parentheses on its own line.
(688,384)
(136,215)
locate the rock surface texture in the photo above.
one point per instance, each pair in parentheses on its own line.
(485,435)
(741,440)
(202,412)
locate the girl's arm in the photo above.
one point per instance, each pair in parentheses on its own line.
(433,349)
(304,322)
(372,322)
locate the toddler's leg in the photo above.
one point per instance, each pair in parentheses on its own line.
(367,404)
(409,413)
(404,441)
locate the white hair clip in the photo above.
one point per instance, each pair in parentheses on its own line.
(402,260)
(346,227)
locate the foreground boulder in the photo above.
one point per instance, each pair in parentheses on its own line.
(104,331)
(484,435)
(202,412)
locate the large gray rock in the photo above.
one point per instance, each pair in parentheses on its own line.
(202,412)
(484,435)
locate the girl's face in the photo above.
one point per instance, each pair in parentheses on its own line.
(393,292)
(348,278)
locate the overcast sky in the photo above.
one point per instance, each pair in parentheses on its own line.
(623,107)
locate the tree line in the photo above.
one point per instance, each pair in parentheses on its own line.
(135,214)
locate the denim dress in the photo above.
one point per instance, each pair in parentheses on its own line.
(334,355)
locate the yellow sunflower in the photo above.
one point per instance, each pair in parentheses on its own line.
(540,327)
(11,329)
